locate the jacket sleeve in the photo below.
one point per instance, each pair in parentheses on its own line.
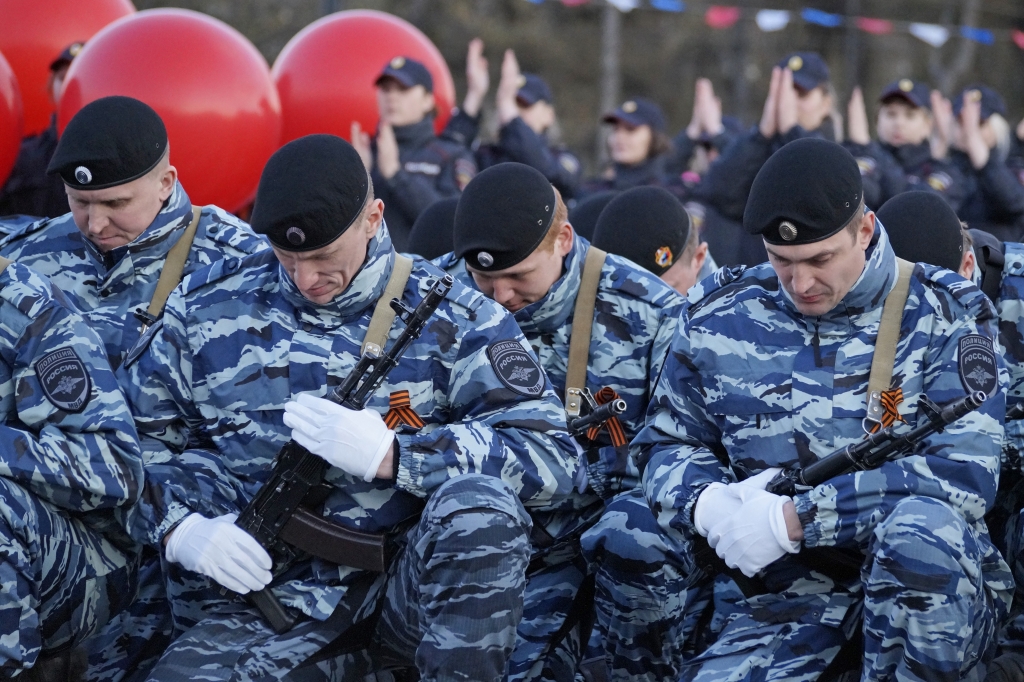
(462,129)
(180,477)
(1003,193)
(522,144)
(412,193)
(729,179)
(492,429)
(67,433)
(676,449)
(959,466)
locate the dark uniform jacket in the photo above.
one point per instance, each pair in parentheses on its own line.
(925,173)
(994,197)
(432,168)
(29,190)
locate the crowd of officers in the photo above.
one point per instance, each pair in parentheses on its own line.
(156,356)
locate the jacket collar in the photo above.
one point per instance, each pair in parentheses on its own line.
(415,135)
(910,155)
(362,292)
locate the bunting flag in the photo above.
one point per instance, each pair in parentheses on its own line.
(720,17)
(770,20)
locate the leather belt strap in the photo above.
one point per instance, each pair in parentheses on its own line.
(884,356)
(174,265)
(383,313)
(579,335)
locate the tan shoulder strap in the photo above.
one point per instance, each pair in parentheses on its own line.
(888,337)
(174,265)
(4,262)
(579,335)
(383,313)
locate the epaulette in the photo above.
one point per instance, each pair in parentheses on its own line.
(962,292)
(1013,259)
(28,229)
(224,268)
(710,288)
(426,273)
(214,220)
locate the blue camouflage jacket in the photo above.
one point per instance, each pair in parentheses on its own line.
(109,288)
(751,384)
(635,319)
(67,434)
(238,341)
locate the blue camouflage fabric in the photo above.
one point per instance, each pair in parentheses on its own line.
(635,318)
(237,342)
(71,461)
(737,398)
(109,287)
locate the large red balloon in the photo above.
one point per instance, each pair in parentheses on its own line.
(34,32)
(10,119)
(325,73)
(209,84)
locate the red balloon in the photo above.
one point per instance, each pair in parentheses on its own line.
(10,119)
(209,84)
(34,32)
(325,74)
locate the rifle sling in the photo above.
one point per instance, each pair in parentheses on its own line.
(4,262)
(174,265)
(579,334)
(383,313)
(325,539)
(884,357)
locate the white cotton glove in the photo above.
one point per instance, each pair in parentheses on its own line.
(719,501)
(755,535)
(354,441)
(220,550)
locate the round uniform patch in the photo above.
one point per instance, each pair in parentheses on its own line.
(516,368)
(64,380)
(977,364)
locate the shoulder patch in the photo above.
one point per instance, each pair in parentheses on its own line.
(465,170)
(516,368)
(64,379)
(939,181)
(977,364)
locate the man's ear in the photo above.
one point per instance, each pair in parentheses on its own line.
(374,217)
(563,244)
(866,230)
(968,264)
(168,179)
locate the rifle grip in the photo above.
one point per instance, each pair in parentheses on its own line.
(276,614)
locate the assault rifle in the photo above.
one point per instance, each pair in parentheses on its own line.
(870,453)
(286,512)
(596,415)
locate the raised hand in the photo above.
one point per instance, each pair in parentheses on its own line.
(857,119)
(508,86)
(478,78)
(769,125)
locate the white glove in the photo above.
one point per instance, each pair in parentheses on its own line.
(354,441)
(719,501)
(756,534)
(219,549)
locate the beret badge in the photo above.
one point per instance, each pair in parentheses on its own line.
(787,231)
(295,236)
(485,259)
(83,175)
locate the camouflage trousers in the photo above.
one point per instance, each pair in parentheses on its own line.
(921,604)
(646,612)
(60,580)
(448,606)
(129,645)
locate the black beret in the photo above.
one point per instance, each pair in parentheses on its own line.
(809,69)
(583,216)
(647,225)
(922,228)
(408,72)
(109,142)
(431,234)
(503,215)
(311,191)
(807,191)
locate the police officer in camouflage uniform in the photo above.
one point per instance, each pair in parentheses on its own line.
(127,212)
(513,242)
(738,400)
(71,462)
(462,438)
(411,166)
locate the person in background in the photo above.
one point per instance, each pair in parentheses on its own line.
(883,177)
(637,146)
(704,139)
(30,190)
(650,227)
(975,126)
(411,167)
(431,234)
